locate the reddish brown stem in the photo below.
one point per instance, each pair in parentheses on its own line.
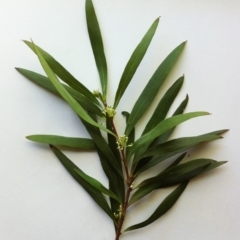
(124,210)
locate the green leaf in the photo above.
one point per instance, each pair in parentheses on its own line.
(97,44)
(111,165)
(103,147)
(164,105)
(160,139)
(62,73)
(174,175)
(64,93)
(95,194)
(151,90)
(46,83)
(97,185)
(180,173)
(134,61)
(167,203)
(141,192)
(178,144)
(178,147)
(143,142)
(165,136)
(80,143)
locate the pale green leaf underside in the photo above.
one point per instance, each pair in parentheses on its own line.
(79,143)
(62,73)
(97,185)
(44,82)
(64,93)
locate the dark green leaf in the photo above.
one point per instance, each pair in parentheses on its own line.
(62,73)
(64,93)
(96,184)
(175,175)
(134,61)
(80,143)
(164,105)
(95,194)
(167,203)
(97,44)
(151,90)
(180,173)
(141,192)
(162,138)
(46,83)
(143,142)
(178,147)
(103,147)
(165,136)
(178,144)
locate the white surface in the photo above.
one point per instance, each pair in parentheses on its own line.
(39,200)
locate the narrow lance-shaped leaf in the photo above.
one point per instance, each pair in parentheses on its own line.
(162,138)
(97,44)
(152,88)
(64,93)
(62,73)
(165,206)
(96,195)
(110,165)
(176,146)
(165,136)
(104,149)
(192,170)
(44,82)
(143,142)
(164,105)
(179,173)
(97,185)
(79,143)
(134,61)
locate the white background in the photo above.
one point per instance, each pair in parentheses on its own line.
(39,200)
